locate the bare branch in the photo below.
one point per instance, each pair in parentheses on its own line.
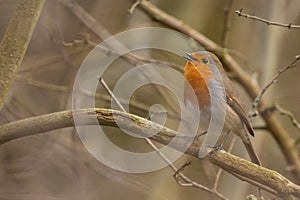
(177,171)
(289,114)
(219,173)
(227,23)
(289,25)
(111,94)
(133,58)
(245,170)
(186,182)
(131,9)
(251,87)
(274,80)
(114,45)
(43,85)
(15,41)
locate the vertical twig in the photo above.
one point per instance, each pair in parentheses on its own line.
(188,181)
(227,23)
(219,173)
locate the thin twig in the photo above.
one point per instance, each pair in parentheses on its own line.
(270,180)
(190,183)
(289,114)
(251,87)
(274,80)
(131,9)
(177,171)
(99,30)
(133,58)
(187,182)
(253,182)
(43,85)
(219,173)
(268,22)
(187,163)
(111,94)
(227,23)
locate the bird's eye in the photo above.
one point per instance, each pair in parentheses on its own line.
(204,60)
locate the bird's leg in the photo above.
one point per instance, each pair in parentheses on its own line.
(220,146)
(176,174)
(201,134)
(197,137)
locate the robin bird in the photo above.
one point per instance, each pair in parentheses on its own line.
(198,71)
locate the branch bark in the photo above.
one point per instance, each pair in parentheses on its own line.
(15,41)
(267,179)
(268,22)
(281,136)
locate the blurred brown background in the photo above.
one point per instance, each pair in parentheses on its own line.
(55,165)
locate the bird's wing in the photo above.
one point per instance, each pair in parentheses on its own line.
(240,111)
(233,100)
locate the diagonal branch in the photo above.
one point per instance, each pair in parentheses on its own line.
(289,114)
(165,158)
(253,89)
(15,41)
(115,46)
(274,80)
(245,170)
(47,86)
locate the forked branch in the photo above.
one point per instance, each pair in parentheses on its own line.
(267,179)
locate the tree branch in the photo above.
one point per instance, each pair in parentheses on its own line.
(15,41)
(225,34)
(47,86)
(245,170)
(287,113)
(274,80)
(241,14)
(98,29)
(281,136)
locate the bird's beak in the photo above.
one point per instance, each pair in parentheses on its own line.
(189,57)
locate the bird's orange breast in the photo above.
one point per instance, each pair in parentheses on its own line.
(198,83)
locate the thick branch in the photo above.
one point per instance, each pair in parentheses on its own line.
(245,170)
(15,41)
(279,133)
